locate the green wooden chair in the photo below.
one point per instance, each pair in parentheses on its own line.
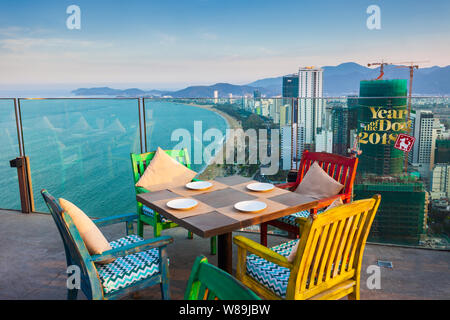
(139,263)
(139,163)
(207,282)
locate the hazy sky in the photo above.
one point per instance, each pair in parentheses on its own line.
(168,44)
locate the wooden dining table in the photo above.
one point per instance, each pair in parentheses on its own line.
(215,214)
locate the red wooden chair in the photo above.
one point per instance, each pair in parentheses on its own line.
(341,168)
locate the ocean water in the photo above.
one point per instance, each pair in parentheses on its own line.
(80,149)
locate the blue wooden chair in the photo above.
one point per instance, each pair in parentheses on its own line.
(138,263)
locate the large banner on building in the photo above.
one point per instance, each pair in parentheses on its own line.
(383,124)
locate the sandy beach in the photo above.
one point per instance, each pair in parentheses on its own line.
(216,170)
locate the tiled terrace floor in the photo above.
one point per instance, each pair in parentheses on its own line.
(32,263)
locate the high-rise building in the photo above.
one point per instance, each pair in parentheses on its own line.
(291,152)
(307,86)
(442,151)
(290,95)
(311,106)
(425,134)
(324,141)
(257,95)
(285,115)
(290,86)
(440,181)
(352,105)
(216,96)
(340,128)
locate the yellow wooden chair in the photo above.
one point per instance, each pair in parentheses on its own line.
(328,261)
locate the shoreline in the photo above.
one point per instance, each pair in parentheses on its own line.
(212,170)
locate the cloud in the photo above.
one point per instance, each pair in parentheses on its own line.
(208,36)
(11,31)
(19,45)
(166,39)
(17,32)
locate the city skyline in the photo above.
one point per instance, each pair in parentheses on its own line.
(159,45)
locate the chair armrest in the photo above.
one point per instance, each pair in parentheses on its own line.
(321,203)
(287,185)
(133,248)
(262,251)
(346,198)
(115,219)
(325,202)
(141,190)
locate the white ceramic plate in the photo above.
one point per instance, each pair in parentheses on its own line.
(199,185)
(250,206)
(260,187)
(182,204)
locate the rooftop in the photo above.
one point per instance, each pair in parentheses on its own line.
(33,262)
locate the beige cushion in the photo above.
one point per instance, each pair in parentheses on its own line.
(163,172)
(336,203)
(93,238)
(318,184)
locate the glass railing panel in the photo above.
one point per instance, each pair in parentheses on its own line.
(186,123)
(9,149)
(79,149)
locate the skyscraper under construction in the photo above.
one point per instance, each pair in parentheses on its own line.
(382,115)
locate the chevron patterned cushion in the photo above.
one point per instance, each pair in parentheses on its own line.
(290,219)
(269,274)
(149,212)
(125,271)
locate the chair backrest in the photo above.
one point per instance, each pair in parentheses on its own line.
(139,162)
(341,168)
(331,248)
(207,282)
(76,251)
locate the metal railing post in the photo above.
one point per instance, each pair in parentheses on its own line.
(23,174)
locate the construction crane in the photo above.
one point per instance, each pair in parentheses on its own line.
(381,64)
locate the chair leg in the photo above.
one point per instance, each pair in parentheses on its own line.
(263,233)
(157,228)
(213,241)
(355,295)
(130,228)
(165,295)
(164,267)
(72,294)
(140,228)
(190,235)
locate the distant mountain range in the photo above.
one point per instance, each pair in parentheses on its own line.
(337,81)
